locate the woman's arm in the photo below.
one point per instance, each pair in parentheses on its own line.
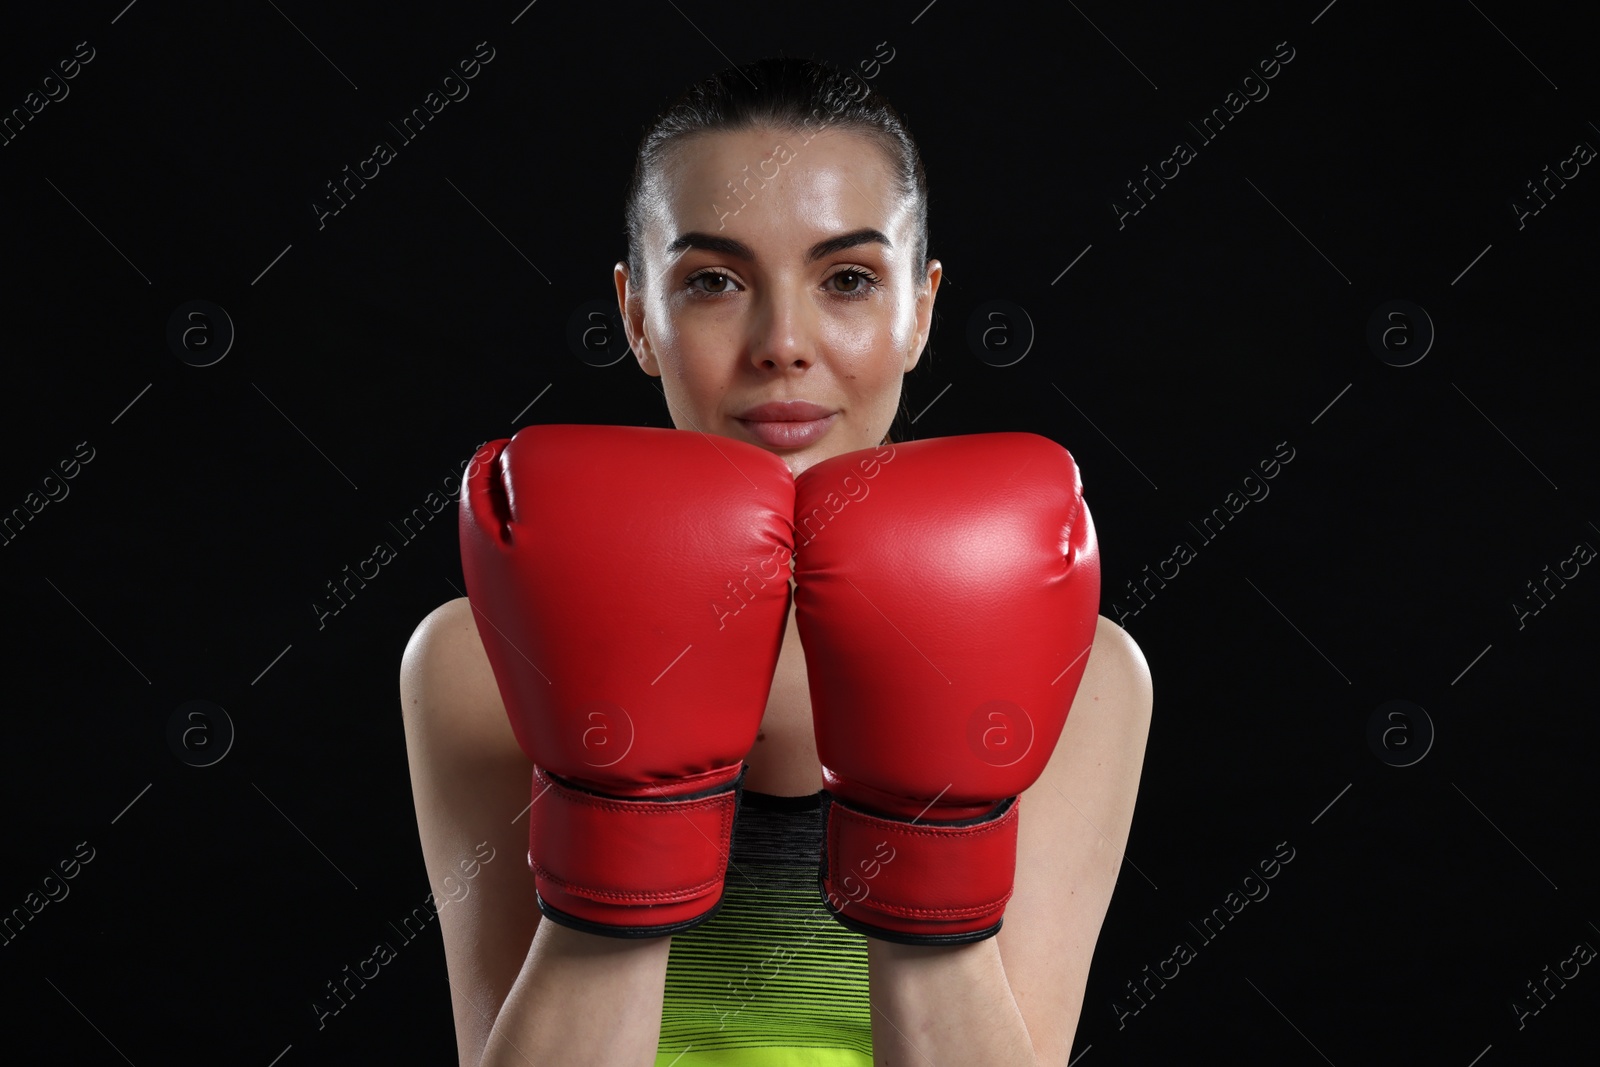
(583,999)
(1015,999)
(945,1005)
(524,992)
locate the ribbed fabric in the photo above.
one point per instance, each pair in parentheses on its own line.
(773,980)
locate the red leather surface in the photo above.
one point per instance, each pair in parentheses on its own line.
(921,877)
(947,593)
(665,860)
(630,586)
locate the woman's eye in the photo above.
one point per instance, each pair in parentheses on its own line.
(717,282)
(854,283)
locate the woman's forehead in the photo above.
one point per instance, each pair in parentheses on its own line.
(761,186)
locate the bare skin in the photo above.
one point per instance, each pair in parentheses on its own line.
(786,324)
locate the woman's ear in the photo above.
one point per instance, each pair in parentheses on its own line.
(630,301)
(927,292)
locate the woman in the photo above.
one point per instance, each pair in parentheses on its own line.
(777,246)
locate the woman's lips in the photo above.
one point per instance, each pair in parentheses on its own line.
(797,434)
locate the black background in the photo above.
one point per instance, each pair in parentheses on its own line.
(1231,314)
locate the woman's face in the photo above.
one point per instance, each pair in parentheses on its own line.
(800,288)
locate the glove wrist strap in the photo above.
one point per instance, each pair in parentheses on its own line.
(630,868)
(918,883)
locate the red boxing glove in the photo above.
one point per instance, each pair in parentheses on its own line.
(947,593)
(631,587)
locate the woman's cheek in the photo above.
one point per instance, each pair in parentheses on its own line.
(857,337)
(663,326)
(904,327)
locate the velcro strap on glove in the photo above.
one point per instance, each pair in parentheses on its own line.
(919,883)
(630,868)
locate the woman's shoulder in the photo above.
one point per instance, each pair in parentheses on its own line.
(1117,663)
(446,680)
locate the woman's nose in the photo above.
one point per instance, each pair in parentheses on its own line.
(783,330)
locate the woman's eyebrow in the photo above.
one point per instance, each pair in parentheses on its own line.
(865,235)
(730,246)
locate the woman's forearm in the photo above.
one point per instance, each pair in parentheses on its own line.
(582,999)
(944,1004)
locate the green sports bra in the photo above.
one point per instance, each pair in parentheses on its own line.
(772,980)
